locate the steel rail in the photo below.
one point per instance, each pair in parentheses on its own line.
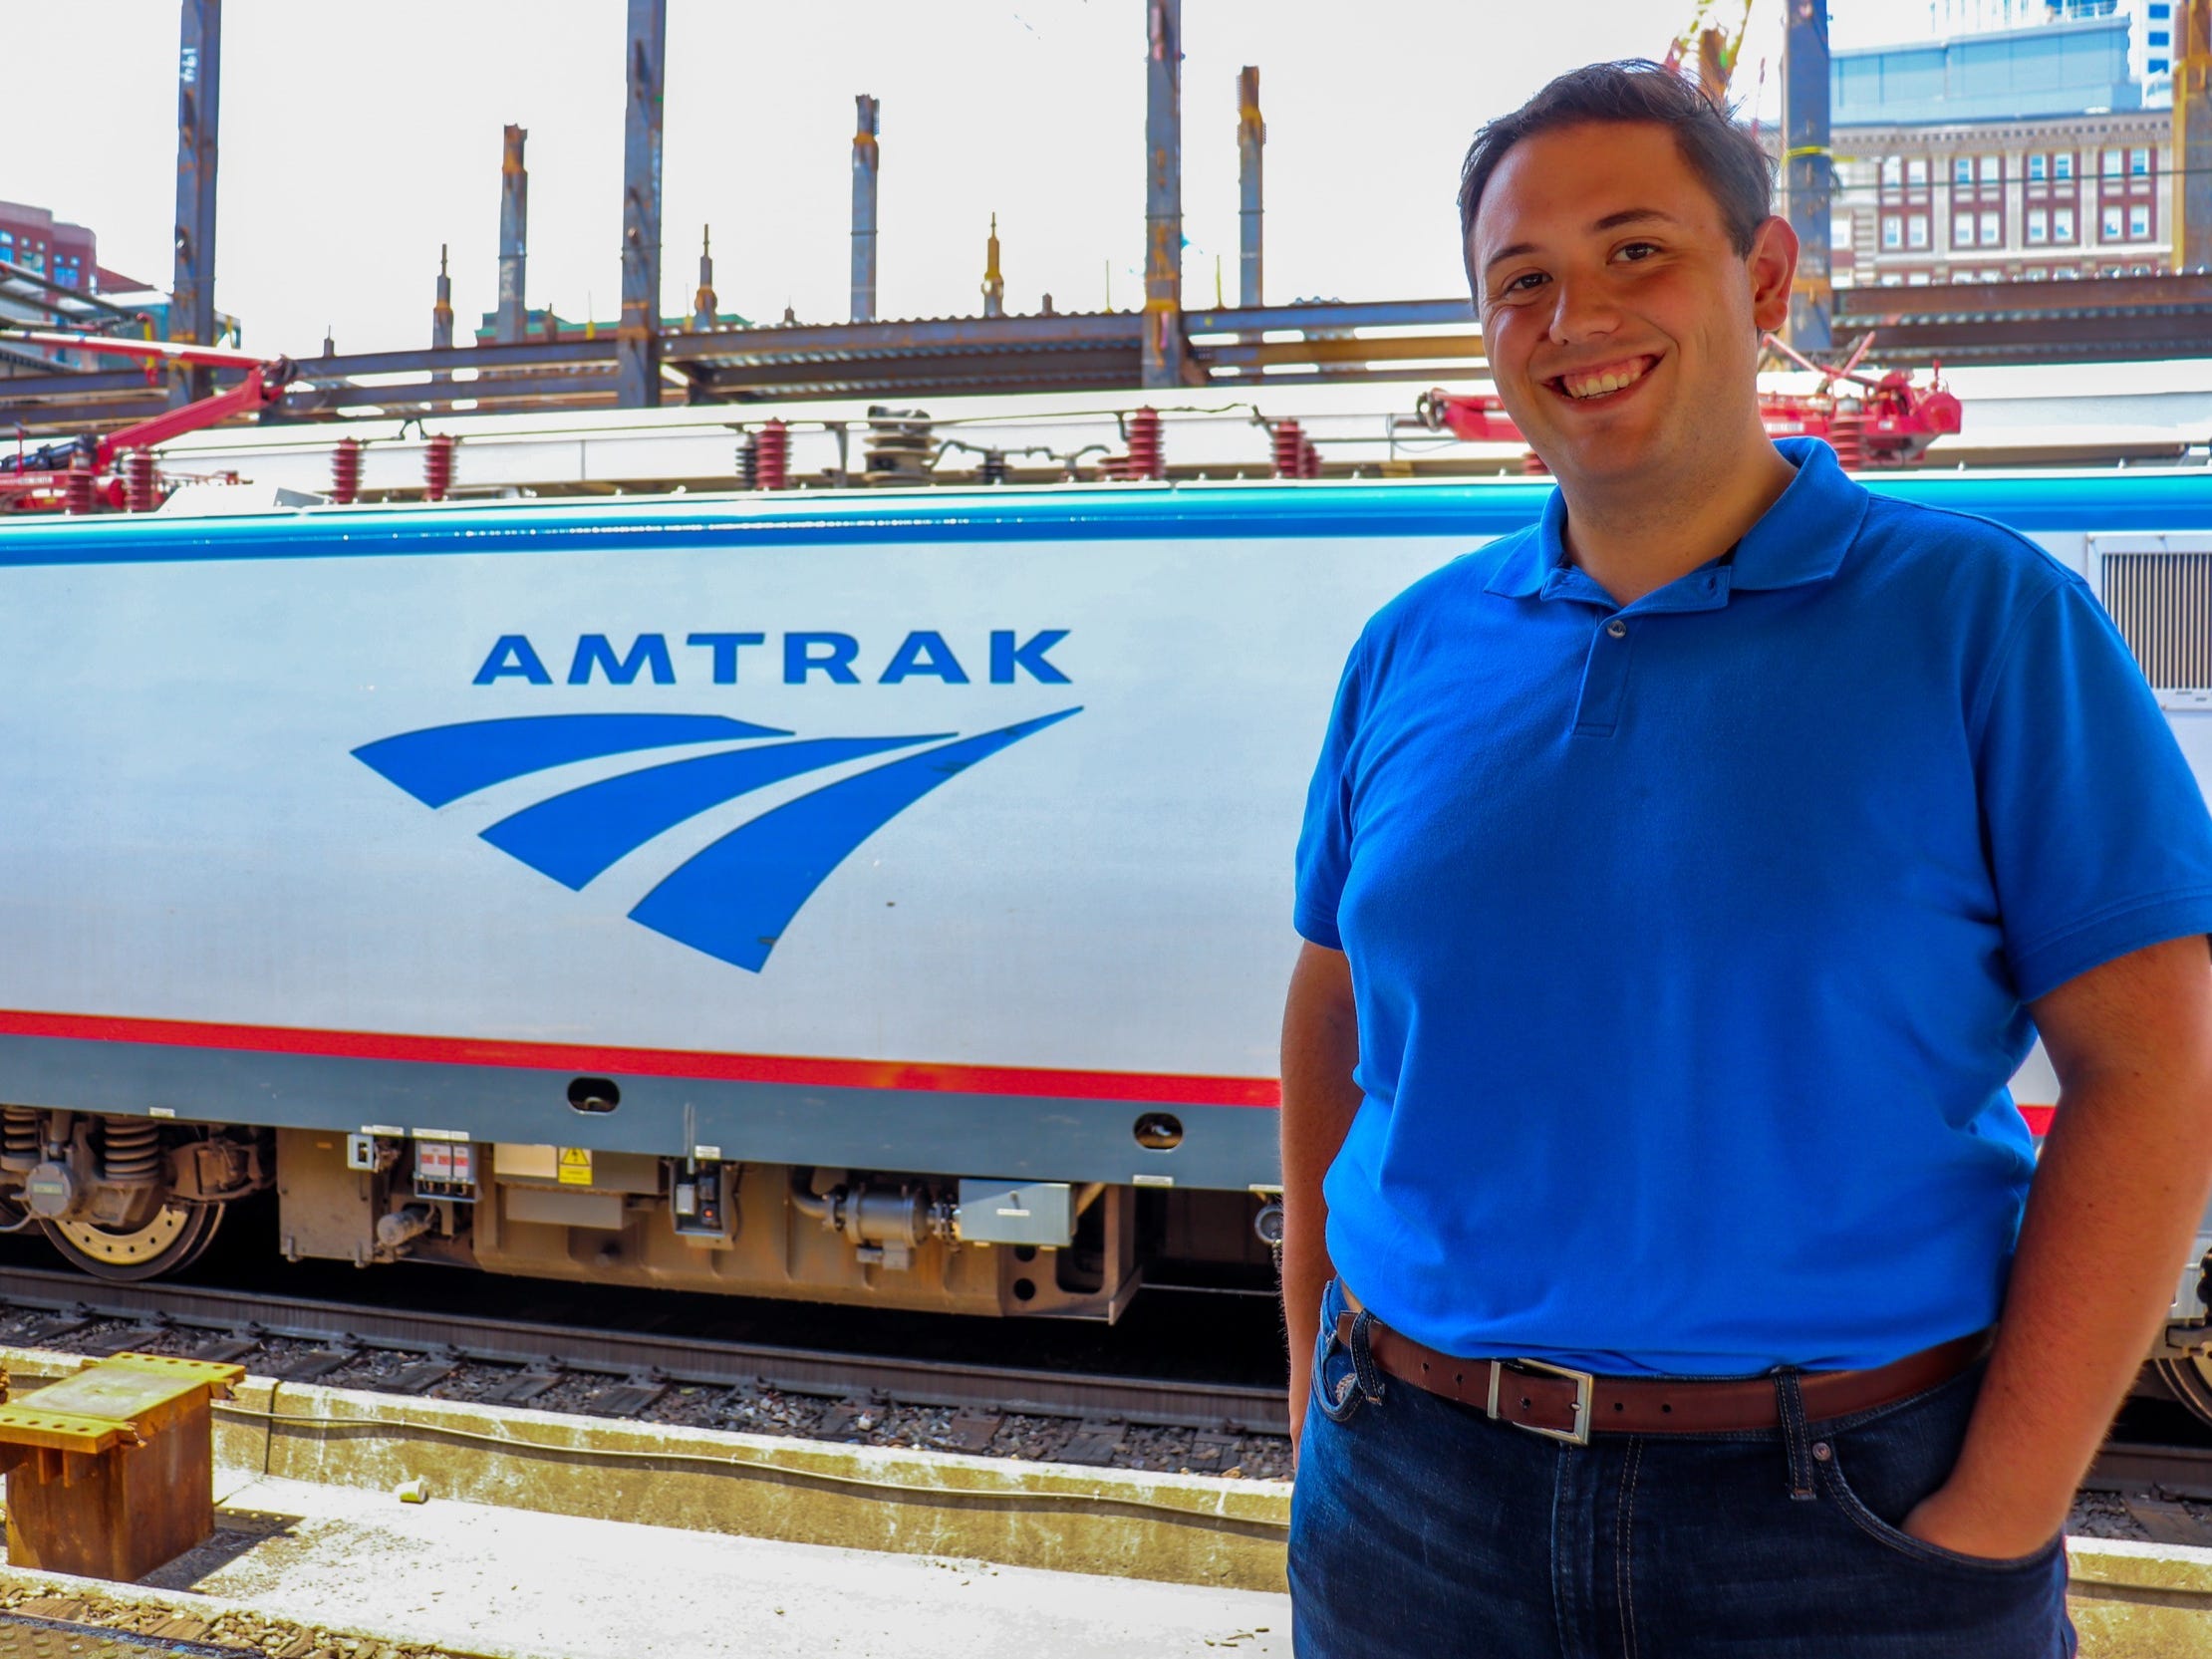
(678,1359)
(2183,1471)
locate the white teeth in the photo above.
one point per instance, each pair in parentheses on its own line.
(1597,386)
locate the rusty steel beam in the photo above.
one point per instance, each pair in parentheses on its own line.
(866,161)
(2191,160)
(511,316)
(1252,139)
(2053,300)
(638,336)
(1164,347)
(199,61)
(1454,346)
(704,302)
(441,313)
(1809,178)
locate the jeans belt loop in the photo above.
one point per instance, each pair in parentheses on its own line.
(1790,1402)
(1364,1368)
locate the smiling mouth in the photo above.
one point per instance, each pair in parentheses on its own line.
(1607,380)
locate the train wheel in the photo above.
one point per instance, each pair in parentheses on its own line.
(172,1240)
(2191,1382)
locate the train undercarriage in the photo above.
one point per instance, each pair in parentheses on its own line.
(135,1198)
(128,1198)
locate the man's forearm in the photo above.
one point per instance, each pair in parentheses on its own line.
(2109,1219)
(1320,1051)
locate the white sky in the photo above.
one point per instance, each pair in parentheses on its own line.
(356,137)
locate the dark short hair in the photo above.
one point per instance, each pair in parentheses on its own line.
(1725,156)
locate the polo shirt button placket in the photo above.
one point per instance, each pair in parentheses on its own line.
(1605,681)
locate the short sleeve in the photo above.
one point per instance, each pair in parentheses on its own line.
(1325,840)
(2099,840)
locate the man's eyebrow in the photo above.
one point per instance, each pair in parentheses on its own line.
(1633,215)
(1504,255)
(1611,221)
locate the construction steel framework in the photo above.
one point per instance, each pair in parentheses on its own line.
(2107,319)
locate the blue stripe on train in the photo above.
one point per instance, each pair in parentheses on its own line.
(2115,501)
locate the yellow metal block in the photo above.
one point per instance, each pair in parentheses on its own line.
(110,1470)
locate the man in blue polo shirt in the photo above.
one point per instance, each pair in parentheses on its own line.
(1682,881)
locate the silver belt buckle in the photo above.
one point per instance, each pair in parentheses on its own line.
(1579,1435)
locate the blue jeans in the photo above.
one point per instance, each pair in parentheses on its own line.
(1419,1527)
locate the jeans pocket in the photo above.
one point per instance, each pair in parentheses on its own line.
(1336,1374)
(1902,1542)
(1335,1379)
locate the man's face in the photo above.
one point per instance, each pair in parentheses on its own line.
(1621,326)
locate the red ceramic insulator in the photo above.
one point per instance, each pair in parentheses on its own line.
(437,467)
(1145,457)
(77,490)
(1309,459)
(1847,437)
(345,471)
(1289,449)
(141,489)
(772,455)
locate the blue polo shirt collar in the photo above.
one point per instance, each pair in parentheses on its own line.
(1800,539)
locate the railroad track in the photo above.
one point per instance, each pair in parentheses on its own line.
(240,1322)
(2170,1470)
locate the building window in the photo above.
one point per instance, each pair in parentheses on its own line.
(2158,66)
(1962,230)
(1916,173)
(1894,172)
(2036,273)
(2039,228)
(1992,230)
(1893,231)
(2138,163)
(2062,166)
(2109,230)
(2158,36)
(1993,169)
(2062,224)
(2139,222)
(1962,170)
(2038,168)
(1916,230)
(2160,10)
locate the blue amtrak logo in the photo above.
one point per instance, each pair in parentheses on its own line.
(735,900)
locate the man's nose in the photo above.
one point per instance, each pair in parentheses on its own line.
(1581,310)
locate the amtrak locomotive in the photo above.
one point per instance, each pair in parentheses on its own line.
(875,897)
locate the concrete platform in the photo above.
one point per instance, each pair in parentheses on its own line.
(494,1581)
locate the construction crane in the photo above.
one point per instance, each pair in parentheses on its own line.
(115,470)
(1712,46)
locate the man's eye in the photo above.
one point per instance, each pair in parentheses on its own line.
(1522,283)
(1634,252)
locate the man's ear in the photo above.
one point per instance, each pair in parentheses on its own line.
(1772,267)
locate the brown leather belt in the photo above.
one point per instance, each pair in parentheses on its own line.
(1570,1405)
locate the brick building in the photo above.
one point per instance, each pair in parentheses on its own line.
(2017,153)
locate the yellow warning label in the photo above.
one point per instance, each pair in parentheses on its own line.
(576,1165)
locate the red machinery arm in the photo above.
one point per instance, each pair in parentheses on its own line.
(266,380)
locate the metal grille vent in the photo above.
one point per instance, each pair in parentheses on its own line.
(2162,602)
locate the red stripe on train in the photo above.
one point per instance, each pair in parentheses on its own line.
(1166,1088)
